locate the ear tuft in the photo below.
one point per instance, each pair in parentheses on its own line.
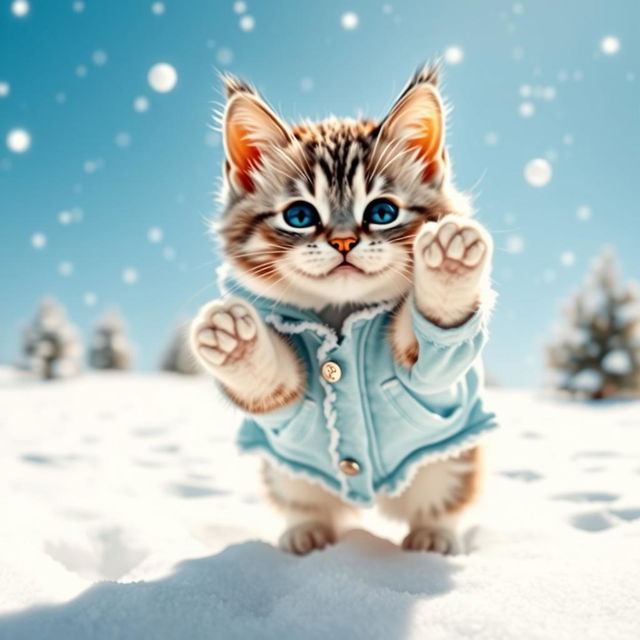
(417,120)
(232,85)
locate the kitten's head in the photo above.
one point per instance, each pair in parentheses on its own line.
(326,213)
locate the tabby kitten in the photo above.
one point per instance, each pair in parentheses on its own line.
(334,217)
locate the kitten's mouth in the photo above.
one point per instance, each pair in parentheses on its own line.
(345,267)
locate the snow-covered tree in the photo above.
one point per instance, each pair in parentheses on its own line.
(110,348)
(51,345)
(596,353)
(177,357)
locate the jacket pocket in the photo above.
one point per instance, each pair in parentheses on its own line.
(294,429)
(417,413)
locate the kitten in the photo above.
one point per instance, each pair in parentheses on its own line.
(349,235)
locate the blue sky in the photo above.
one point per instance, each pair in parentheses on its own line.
(70,72)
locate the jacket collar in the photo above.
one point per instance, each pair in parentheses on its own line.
(229,284)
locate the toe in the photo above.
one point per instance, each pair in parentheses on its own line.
(470,235)
(433,255)
(223,320)
(212,355)
(447,232)
(456,248)
(226,342)
(474,254)
(207,337)
(246,328)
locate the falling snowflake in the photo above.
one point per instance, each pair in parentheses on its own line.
(538,172)
(169,253)
(78,6)
(247,23)
(162,77)
(38,241)
(65,217)
(306,84)
(491,138)
(158,8)
(123,139)
(453,55)
(65,268)
(5,89)
(61,97)
(239,7)
(583,212)
(224,56)
(515,244)
(155,235)
(18,140)
(527,109)
(90,299)
(349,20)
(567,258)
(610,45)
(525,91)
(99,58)
(130,275)
(567,139)
(20,8)
(81,71)
(141,104)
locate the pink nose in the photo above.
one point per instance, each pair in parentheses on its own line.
(344,245)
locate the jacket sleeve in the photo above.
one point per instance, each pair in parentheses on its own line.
(445,355)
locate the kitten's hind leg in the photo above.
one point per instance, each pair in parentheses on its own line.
(313,516)
(432,503)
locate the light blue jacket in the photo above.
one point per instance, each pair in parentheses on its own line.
(386,417)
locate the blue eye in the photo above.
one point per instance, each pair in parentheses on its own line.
(300,215)
(381,212)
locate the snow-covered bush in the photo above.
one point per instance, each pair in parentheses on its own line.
(51,345)
(596,353)
(178,357)
(110,348)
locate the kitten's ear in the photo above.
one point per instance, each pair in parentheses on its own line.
(249,128)
(418,119)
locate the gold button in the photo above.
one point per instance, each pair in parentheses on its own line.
(331,372)
(349,467)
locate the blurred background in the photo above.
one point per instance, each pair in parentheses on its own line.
(109,162)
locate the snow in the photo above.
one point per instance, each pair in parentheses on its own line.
(162,77)
(5,89)
(583,213)
(20,8)
(567,258)
(158,8)
(224,56)
(130,275)
(99,57)
(18,140)
(538,172)
(155,235)
(141,104)
(128,513)
(349,20)
(454,55)
(247,23)
(515,244)
(610,45)
(618,362)
(38,241)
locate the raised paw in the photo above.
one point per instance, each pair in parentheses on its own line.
(225,332)
(436,539)
(454,246)
(306,537)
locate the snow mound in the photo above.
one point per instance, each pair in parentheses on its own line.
(128,514)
